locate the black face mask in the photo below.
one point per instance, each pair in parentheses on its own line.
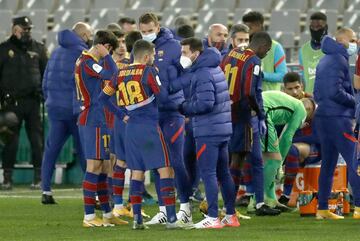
(317,35)
(89,43)
(25,37)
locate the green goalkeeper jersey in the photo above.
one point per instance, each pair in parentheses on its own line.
(284,110)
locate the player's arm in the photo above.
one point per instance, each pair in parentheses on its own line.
(156,86)
(104,71)
(336,90)
(289,130)
(256,90)
(104,99)
(205,97)
(279,66)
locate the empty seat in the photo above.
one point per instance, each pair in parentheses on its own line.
(51,40)
(136,13)
(70,5)
(168,15)
(291,4)
(208,17)
(100,18)
(213,4)
(285,21)
(332,17)
(11,5)
(328,4)
(3,36)
(38,17)
(259,4)
(111,4)
(304,37)
(157,5)
(352,20)
(6,20)
(354,5)
(287,39)
(67,19)
(49,5)
(240,12)
(37,35)
(193,4)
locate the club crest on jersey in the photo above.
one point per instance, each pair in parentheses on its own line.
(161,53)
(11,53)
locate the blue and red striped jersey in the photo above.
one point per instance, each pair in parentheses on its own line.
(242,70)
(91,75)
(136,87)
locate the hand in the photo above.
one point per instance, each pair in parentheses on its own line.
(262,127)
(102,50)
(187,120)
(125,119)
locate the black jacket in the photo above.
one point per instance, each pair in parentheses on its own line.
(21,68)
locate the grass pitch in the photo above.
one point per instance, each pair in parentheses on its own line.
(23,217)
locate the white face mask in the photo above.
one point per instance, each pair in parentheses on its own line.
(149,37)
(185,62)
(352,49)
(242,46)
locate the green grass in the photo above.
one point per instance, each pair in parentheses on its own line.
(22,217)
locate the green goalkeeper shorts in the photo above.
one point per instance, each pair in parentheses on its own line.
(270,142)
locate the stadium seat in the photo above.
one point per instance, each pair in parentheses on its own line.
(352,20)
(6,20)
(168,15)
(353,5)
(287,40)
(214,4)
(110,4)
(100,18)
(328,4)
(12,5)
(70,5)
(37,35)
(208,17)
(304,37)
(240,12)
(193,4)
(258,4)
(51,40)
(285,21)
(39,18)
(48,5)
(291,4)
(136,13)
(67,19)
(332,19)
(3,36)
(158,5)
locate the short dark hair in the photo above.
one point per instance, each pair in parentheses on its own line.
(142,47)
(253,17)
(182,20)
(239,28)
(195,44)
(318,16)
(261,38)
(185,31)
(113,26)
(291,77)
(106,37)
(126,20)
(148,18)
(118,33)
(131,38)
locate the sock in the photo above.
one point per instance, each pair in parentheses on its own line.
(103,194)
(291,169)
(162,209)
(236,176)
(270,171)
(89,192)
(47,193)
(89,217)
(167,190)
(110,186)
(118,184)
(157,187)
(136,199)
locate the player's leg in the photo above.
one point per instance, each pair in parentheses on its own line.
(207,156)
(325,128)
(227,186)
(58,133)
(136,193)
(74,129)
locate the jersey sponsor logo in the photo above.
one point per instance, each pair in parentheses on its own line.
(97,68)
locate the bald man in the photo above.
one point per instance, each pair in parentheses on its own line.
(217,37)
(333,92)
(61,100)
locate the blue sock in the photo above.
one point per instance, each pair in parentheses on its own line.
(136,188)
(291,169)
(89,191)
(118,184)
(236,176)
(167,190)
(110,186)
(103,194)
(157,187)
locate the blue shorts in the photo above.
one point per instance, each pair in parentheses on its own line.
(314,156)
(241,139)
(145,147)
(112,140)
(95,142)
(119,139)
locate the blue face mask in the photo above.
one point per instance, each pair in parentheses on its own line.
(149,37)
(352,49)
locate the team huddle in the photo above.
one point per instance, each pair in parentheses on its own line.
(165,101)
